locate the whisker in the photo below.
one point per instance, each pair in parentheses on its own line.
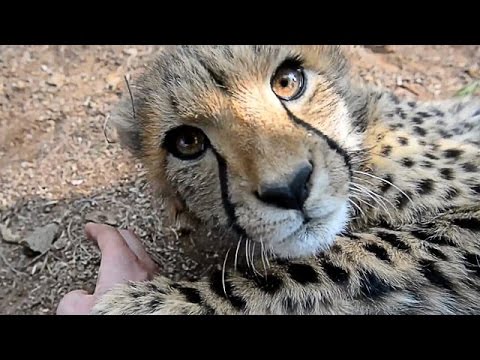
(361,200)
(247,247)
(380,196)
(369,182)
(252,257)
(262,255)
(375,197)
(385,181)
(357,207)
(364,180)
(131,96)
(223,273)
(370,196)
(267,254)
(236,254)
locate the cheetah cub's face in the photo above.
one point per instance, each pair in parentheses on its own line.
(252,138)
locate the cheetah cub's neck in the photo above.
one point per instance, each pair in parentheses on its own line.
(422,158)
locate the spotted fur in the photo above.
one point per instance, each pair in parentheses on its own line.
(393,197)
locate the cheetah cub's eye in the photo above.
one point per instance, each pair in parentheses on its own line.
(186,142)
(288,82)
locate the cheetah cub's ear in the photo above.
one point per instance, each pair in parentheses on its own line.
(123,118)
(131,134)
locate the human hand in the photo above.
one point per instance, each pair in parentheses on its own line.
(123,259)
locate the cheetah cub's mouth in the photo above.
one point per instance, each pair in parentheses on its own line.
(255,139)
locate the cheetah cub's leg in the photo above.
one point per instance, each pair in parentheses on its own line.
(429,268)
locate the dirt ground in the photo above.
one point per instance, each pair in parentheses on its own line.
(57,168)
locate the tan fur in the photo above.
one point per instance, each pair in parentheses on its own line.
(409,186)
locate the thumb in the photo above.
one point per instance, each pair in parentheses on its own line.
(77,302)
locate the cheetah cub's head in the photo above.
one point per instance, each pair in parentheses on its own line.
(255,139)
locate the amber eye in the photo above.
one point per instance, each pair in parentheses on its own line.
(288,82)
(186,142)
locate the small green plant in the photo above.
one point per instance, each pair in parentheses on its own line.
(470,89)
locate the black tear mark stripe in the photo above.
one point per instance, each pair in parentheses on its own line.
(330,142)
(219,79)
(227,204)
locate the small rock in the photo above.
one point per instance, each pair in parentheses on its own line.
(46,69)
(100,217)
(41,240)
(26,164)
(56,79)
(113,80)
(60,243)
(8,236)
(380,49)
(399,81)
(130,51)
(47,208)
(76,182)
(87,101)
(19,85)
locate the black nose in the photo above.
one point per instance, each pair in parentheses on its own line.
(290,196)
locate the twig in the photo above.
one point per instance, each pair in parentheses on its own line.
(403,86)
(35,259)
(105,130)
(44,263)
(10,266)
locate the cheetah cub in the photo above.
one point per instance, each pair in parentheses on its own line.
(365,203)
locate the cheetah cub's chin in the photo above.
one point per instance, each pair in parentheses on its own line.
(313,235)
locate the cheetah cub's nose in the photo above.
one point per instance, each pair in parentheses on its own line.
(291,195)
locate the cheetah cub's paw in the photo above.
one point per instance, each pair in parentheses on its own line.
(156,297)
